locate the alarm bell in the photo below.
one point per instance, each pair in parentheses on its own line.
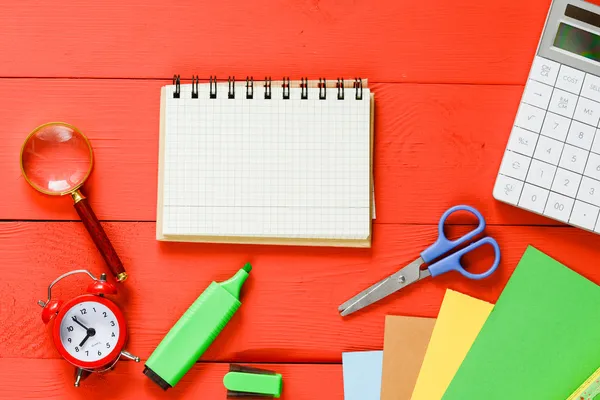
(89,330)
(100,287)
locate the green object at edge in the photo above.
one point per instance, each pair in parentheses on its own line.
(197,328)
(267,384)
(541,339)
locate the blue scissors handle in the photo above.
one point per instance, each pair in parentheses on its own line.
(443,245)
(452,262)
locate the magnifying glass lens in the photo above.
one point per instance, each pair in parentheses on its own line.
(56,159)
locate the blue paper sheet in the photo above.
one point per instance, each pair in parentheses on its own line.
(362,375)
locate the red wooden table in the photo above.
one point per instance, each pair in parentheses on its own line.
(448,77)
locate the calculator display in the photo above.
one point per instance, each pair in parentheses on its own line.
(551,165)
(578,41)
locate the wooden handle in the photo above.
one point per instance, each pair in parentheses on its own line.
(91,223)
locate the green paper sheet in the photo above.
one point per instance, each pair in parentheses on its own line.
(541,340)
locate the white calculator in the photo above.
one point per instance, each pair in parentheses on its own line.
(552,161)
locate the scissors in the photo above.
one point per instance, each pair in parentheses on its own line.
(440,251)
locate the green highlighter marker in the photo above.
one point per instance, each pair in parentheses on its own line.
(195,331)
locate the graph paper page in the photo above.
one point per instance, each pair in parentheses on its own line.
(265,168)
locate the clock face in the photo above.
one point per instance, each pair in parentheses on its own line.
(89,331)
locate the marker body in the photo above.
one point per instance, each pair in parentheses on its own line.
(197,328)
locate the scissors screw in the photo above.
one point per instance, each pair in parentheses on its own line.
(401,279)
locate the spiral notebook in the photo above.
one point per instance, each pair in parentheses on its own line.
(266,162)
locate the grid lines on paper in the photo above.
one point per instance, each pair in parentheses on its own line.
(267,167)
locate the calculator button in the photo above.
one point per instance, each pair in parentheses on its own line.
(587,111)
(597,228)
(558,207)
(522,141)
(544,71)
(573,158)
(530,117)
(584,215)
(556,126)
(591,87)
(589,191)
(570,79)
(581,135)
(533,198)
(563,103)
(548,150)
(541,174)
(515,165)
(596,144)
(566,182)
(537,94)
(592,169)
(507,189)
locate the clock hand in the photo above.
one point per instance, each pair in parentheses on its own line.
(90,332)
(79,323)
(84,340)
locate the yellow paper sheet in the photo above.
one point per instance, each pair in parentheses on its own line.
(458,324)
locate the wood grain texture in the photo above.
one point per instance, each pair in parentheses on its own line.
(289,305)
(393,41)
(435,146)
(448,77)
(53,380)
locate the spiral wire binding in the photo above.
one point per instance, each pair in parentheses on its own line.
(304,87)
(358,85)
(231,84)
(322,89)
(268,88)
(213,82)
(177,83)
(340,88)
(250,87)
(286,85)
(322,85)
(195,84)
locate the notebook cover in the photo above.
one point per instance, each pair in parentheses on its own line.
(366,243)
(541,340)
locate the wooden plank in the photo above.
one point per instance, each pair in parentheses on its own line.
(391,41)
(289,305)
(435,146)
(53,379)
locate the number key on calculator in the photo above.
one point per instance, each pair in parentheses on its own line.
(551,165)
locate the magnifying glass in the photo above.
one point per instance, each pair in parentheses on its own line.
(56,159)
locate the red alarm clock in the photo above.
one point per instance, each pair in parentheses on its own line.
(89,330)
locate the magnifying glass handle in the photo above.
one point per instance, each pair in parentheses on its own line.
(91,223)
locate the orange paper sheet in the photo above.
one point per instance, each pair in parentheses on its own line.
(458,324)
(404,347)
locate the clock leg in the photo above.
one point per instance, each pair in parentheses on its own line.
(78,375)
(127,354)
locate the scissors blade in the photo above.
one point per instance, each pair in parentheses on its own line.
(407,275)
